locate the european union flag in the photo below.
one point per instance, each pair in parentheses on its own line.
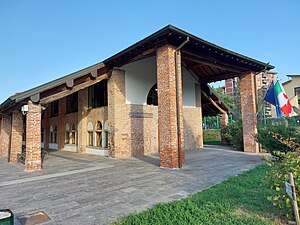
(271,97)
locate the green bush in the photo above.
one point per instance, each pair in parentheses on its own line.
(212,136)
(279,173)
(233,134)
(272,145)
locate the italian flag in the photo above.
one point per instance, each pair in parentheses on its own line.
(283,100)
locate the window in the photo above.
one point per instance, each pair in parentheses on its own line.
(67,138)
(73,135)
(98,95)
(55,134)
(99,134)
(152,96)
(51,134)
(72,103)
(54,108)
(90,130)
(42,134)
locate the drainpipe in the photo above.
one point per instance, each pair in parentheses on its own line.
(177,102)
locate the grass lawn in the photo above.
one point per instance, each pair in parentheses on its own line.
(212,136)
(239,200)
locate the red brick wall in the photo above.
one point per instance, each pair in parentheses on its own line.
(16,135)
(143,129)
(4,135)
(248,108)
(33,138)
(118,136)
(166,83)
(62,123)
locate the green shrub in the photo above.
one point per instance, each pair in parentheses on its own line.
(279,173)
(212,136)
(272,145)
(233,134)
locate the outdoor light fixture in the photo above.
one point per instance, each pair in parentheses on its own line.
(24,109)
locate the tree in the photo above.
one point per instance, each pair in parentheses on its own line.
(226,98)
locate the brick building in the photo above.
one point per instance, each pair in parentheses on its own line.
(145,99)
(261,79)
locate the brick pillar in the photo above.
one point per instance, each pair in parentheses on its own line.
(33,160)
(46,123)
(224,125)
(248,108)
(5,128)
(62,123)
(16,135)
(82,119)
(199,129)
(118,142)
(167,114)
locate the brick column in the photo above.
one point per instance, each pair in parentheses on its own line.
(33,160)
(199,129)
(248,108)
(16,135)
(4,135)
(118,142)
(46,123)
(167,114)
(224,125)
(62,123)
(82,119)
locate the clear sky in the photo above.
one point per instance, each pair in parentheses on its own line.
(41,40)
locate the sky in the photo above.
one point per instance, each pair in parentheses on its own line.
(41,40)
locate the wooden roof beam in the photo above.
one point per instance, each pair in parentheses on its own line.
(219,77)
(76,88)
(211,62)
(213,102)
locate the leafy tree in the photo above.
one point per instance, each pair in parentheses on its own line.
(226,98)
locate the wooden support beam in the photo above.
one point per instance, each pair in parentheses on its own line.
(76,88)
(218,77)
(211,62)
(213,102)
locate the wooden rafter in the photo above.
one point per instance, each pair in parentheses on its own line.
(76,88)
(213,102)
(211,62)
(218,77)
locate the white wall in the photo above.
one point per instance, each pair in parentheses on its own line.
(140,76)
(188,89)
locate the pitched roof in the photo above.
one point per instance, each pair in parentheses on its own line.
(145,47)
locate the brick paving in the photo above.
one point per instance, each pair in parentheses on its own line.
(84,189)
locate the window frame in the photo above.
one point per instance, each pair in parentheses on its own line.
(98,95)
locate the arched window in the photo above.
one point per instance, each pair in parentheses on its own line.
(67,138)
(90,130)
(73,135)
(99,134)
(152,96)
(51,134)
(55,134)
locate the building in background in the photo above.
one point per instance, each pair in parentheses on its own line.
(292,89)
(263,80)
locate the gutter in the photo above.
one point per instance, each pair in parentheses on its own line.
(177,102)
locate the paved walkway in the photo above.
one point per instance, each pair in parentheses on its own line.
(84,189)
